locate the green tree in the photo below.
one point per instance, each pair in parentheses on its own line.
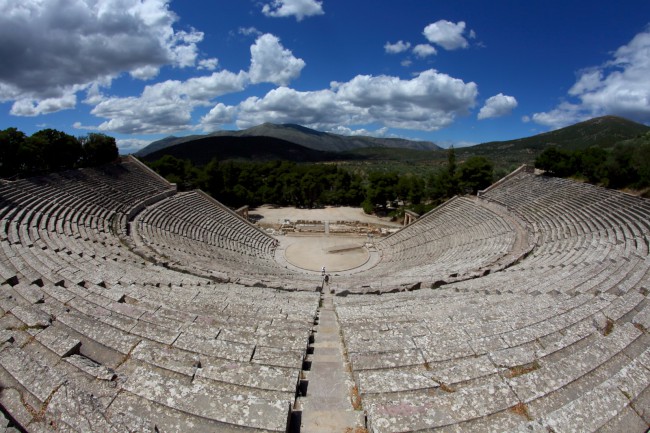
(59,150)
(476,173)
(559,162)
(310,188)
(452,175)
(451,162)
(98,149)
(620,169)
(441,187)
(11,142)
(178,171)
(593,164)
(213,176)
(410,188)
(31,157)
(641,163)
(381,188)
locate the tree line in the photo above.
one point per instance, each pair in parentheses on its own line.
(625,165)
(237,183)
(284,183)
(49,150)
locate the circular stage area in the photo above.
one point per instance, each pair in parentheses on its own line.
(336,253)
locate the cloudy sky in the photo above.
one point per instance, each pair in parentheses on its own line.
(453,72)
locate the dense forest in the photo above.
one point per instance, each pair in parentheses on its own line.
(50,150)
(625,165)
(284,183)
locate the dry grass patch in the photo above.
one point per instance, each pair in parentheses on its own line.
(446,388)
(609,327)
(355,398)
(522,369)
(356,430)
(521,409)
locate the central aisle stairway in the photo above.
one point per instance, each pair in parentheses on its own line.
(331,404)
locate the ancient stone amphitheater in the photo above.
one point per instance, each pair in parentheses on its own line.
(128,306)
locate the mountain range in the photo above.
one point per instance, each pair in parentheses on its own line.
(297,143)
(309,138)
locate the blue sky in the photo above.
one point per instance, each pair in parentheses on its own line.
(452,72)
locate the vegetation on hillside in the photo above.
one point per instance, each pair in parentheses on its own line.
(50,150)
(285,183)
(625,165)
(505,155)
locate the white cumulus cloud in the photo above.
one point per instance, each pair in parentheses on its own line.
(397,47)
(620,87)
(272,63)
(296,8)
(53,49)
(319,109)
(344,130)
(33,107)
(497,106)
(219,115)
(447,34)
(249,31)
(167,106)
(429,101)
(131,145)
(424,50)
(208,64)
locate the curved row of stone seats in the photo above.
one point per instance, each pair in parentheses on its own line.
(53,234)
(577,220)
(160,362)
(458,239)
(557,342)
(471,363)
(94,338)
(192,228)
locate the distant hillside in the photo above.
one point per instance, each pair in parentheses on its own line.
(201,151)
(309,138)
(603,131)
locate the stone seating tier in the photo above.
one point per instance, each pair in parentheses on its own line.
(117,315)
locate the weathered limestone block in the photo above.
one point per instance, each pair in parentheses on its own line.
(32,317)
(82,407)
(278,357)
(520,355)
(394,380)
(250,374)
(36,377)
(386,359)
(91,367)
(421,411)
(155,332)
(463,369)
(588,412)
(103,334)
(214,347)
(164,356)
(32,294)
(58,341)
(208,399)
